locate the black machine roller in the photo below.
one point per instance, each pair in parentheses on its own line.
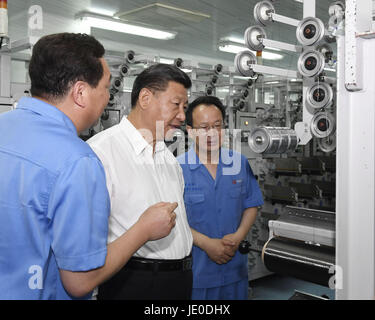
(300,260)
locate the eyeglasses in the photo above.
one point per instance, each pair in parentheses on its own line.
(217,127)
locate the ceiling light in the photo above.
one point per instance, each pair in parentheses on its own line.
(235,48)
(231,48)
(108,23)
(103,12)
(171,61)
(235,39)
(165,11)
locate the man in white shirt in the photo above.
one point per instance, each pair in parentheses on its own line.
(141,171)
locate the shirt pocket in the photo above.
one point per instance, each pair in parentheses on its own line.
(235,192)
(195,208)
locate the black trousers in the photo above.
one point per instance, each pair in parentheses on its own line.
(130,284)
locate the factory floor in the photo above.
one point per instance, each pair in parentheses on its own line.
(278,287)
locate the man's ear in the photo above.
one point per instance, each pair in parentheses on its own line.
(145,98)
(79,93)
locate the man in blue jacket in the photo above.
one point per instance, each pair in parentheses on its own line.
(54,204)
(221,197)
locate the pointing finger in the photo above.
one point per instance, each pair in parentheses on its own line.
(173,206)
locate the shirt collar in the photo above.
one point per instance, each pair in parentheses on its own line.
(192,158)
(138,143)
(195,162)
(45,109)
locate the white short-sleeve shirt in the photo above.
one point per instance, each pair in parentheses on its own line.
(137,179)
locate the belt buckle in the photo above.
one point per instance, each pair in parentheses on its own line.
(187,264)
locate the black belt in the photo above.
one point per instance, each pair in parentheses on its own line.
(155,265)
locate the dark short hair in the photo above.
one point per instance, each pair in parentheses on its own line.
(205,100)
(157,78)
(60,60)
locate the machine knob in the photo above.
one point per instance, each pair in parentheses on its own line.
(309,31)
(310,63)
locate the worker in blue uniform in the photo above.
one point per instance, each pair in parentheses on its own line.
(54,203)
(221,197)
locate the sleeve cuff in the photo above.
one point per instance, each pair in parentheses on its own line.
(83,263)
(250,204)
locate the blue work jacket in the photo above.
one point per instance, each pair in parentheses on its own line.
(215,207)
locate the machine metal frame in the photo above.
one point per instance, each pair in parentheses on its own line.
(355,200)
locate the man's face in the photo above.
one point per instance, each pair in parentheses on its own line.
(168,110)
(207,128)
(99,96)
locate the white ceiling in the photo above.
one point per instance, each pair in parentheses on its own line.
(194,39)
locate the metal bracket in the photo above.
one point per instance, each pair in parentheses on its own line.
(285,20)
(281,45)
(5,74)
(274,71)
(303,132)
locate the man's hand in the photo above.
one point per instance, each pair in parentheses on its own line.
(159,219)
(233,238)
(217,250)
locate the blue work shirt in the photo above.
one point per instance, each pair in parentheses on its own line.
(215,207)
(54,204)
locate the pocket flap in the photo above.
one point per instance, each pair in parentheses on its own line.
(194,198)
(235,192)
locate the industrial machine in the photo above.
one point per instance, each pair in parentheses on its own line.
(292,150)
(320,219)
